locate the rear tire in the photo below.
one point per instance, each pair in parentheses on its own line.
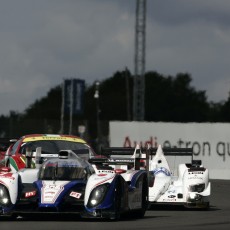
(145,203)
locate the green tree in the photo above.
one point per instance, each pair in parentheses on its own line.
(48,107)
(173,99)
(224,110)
(167,98)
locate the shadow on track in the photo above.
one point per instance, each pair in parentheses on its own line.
(66,218)
(180,208)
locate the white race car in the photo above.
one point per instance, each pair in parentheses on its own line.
(189,186)
(70,184)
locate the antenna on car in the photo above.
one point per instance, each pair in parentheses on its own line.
(137,155)
(29,156)
(38,158)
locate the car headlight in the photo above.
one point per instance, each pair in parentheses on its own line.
(197,187)
(97,195)
(194,197)
(4,196)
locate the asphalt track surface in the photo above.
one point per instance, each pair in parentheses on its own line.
(217,217)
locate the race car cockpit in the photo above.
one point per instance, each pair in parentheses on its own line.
(67,170)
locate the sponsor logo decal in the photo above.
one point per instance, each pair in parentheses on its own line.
(30,194)
(161,170)
(169,200)
(172,191)
(102,174)
(76,195)
(53,137)
(171,196)
(51,191)
(7,175)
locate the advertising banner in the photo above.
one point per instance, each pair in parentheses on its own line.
(78,95)
(73,96)
(67,95)
(210,141)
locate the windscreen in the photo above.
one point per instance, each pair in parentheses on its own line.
(53,146)
(67,172)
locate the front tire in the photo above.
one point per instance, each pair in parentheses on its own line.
(117,202)
(145,203)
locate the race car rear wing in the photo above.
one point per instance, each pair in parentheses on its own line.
(145,153)
(108,151)
(119,158)
(152,151)
(112,161)
(172,151)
